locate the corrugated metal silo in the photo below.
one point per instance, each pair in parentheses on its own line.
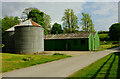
(29,39)
(8,40)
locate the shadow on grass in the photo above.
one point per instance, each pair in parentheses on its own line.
(107,73)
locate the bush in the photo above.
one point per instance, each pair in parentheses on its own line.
(27,59)
(58,54)
(114,32)
(103,32)
(104,37)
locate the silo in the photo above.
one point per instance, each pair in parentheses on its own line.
(29,39)
(8,41)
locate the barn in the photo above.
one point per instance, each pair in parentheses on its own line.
(84,41)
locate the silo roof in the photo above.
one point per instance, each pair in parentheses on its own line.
(25,23)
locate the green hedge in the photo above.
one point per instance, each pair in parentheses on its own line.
(104,37)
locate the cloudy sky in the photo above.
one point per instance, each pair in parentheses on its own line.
(103,14)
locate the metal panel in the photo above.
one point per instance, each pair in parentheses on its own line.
(66,44)
(9,42)
(97,41)
(29,39)
(49,45)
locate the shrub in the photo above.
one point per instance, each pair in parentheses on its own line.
(58,54)
(27,59)
(104,37)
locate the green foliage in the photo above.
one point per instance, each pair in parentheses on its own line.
(70,21)
(103,32)
(104,37)
(87,24)
(27,59)
(40,18)
(26,12)
(47,25)
(56,29)
(114,32)
(8,22)
(17,61)
(37,16)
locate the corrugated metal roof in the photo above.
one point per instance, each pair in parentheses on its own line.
(26,23)
(68,36)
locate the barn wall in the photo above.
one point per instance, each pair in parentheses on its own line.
(49,45)
(91,42)
(66,44)
(60,45)
(9,42)
(97,41)
(77,44)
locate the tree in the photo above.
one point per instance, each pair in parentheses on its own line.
(87,24)
(70,21)
(8,22)
(39,17)
(56,29)
(47,25)
(26,12)
(114,32)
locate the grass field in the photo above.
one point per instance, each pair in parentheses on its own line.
(17,61)
(107,45)
(106,67)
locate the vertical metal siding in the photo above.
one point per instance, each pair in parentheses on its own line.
(29,39)
(9,42)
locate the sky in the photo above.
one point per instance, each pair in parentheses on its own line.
(102,13)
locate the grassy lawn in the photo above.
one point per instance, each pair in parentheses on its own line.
(107,45)
(108,66)
(17,61)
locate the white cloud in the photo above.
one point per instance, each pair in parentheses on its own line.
(103,14)
(105,23)
(105,8)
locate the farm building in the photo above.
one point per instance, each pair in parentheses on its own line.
(27,37)
(72,42)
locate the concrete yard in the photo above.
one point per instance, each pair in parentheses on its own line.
(60,68)
(72,53)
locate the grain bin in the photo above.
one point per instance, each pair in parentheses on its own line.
(8,41)
(29,39)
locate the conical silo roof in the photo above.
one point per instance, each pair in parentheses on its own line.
(25,23)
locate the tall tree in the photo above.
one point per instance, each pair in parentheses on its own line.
(47,24)
(40,17)
(86,22)
(70,21)
(56,29)
(8,22)
(37,16)
(26,12)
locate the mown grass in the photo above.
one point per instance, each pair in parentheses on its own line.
(17,61)
(107,45)
(106,67)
